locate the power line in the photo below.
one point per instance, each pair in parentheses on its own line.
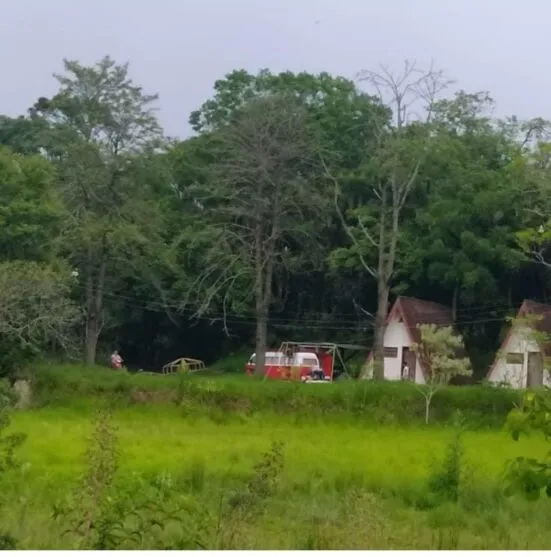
(325,322)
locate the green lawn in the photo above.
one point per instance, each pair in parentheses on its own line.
(342,485)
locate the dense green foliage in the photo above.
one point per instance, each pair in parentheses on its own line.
(300,207)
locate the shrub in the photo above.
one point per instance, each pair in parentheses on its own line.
(235,395)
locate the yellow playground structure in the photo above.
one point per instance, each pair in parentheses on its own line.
(183,365)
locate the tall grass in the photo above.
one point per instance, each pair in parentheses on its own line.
(223,462)
(226,394)
(324,484)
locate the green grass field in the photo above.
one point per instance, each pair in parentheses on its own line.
(343,483)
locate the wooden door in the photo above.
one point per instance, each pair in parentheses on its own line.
(535,369)
(410,359)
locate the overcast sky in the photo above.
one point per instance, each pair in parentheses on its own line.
(178,48)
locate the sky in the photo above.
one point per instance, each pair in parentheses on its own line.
(178,48)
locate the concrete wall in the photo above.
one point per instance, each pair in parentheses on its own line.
(515,375)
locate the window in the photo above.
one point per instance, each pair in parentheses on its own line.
(515,358)
(310,362)
(391,351)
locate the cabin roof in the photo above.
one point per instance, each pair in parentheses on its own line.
(415,312)
(543,325)
(529,307)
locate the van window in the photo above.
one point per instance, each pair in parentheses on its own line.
(310,361)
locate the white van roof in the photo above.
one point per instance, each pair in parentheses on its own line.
(307,355)
(269,354)
(298,357)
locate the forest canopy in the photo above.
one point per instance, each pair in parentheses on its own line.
(300,208)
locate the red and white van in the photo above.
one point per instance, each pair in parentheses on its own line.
(279,366)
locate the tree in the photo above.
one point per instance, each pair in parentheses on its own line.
(342,119)
(36,312)
(391,173)
(259,202)
(535,237)
(438,353)
(467,210)
(22,134)
(99,127)
(469,204)
(30,209)
(35,285)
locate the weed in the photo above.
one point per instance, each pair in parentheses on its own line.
(446,539)
(93,517)
(314,538)
(196,476)
(9,443)
(446,477)
(7,542)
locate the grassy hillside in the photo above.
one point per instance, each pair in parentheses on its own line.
(230,462)
(234,393)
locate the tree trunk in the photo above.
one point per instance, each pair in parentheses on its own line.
(260,306)
(428,394)
(455,298)
(94,308)
(91,341)
(260,342)
(380,327)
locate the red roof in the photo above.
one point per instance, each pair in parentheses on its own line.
(416,312)
(529,307)
(543,325)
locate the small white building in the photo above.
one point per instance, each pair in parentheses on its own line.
(402,331)
(520,362)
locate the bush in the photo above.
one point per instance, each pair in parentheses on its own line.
(237,395)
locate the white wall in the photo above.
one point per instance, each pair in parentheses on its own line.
(515,374)
(396,335)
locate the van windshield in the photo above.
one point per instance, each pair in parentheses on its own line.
(310,361)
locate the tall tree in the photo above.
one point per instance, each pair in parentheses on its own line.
(30,209)
(100,124)
(535,235)
(391,174)
(260,200)
(21,134)
(468,206)
(35,285)
(36,312)
(342,119)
